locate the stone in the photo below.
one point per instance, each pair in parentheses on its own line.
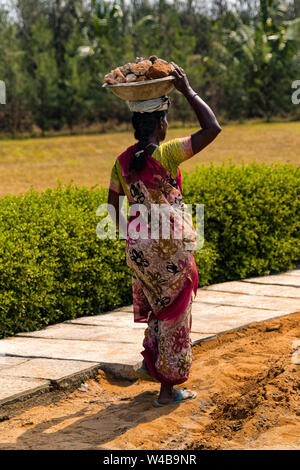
(196,338)
(256,289)
(13,388)
(115,319)
(126,69)
(207,297)
(293,272)
(107,333)
(49,369)
(8,361)
(141,67)
(218,319)
(114,76)
(277,279)
(110,356)
(221,325)
(131,77)
(153,58)
(159,70)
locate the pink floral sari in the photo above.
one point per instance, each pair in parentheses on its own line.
(164,274)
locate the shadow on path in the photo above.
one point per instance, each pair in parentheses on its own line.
(91,431)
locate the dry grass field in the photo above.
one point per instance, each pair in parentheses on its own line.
(87,159)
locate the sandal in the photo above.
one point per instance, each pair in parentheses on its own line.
(182,396)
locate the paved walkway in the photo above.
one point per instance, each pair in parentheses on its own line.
(56,356)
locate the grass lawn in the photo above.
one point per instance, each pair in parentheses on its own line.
(87,159)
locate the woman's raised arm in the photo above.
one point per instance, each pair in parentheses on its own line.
(210,127)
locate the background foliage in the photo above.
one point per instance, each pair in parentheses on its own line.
(53,267)
(241,56)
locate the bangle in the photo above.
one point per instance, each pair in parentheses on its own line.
(196,94)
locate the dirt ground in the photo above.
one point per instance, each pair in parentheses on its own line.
(248,398)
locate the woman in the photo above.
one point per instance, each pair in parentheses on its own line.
(164,275)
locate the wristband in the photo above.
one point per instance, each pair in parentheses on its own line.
(196,94)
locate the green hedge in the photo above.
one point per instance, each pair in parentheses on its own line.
(53,267)
(251,217)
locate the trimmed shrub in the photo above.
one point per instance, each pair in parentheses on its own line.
(53,267)
(251,216)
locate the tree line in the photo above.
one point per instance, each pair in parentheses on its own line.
(241,57)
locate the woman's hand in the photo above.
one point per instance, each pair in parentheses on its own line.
(181,81)
(207,120)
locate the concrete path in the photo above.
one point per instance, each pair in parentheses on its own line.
(72,351)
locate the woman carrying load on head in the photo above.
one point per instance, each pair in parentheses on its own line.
(164,274)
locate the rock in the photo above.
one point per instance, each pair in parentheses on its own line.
(275,327)
(162,61)
(83,387)
(159,70)
(119,77)
(153,58)
(126,69)
(109,78)
(115,76)
(141,67)
(131,78)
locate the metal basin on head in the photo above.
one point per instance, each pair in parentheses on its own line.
(146,90)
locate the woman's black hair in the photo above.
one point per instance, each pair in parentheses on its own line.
(144,125)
